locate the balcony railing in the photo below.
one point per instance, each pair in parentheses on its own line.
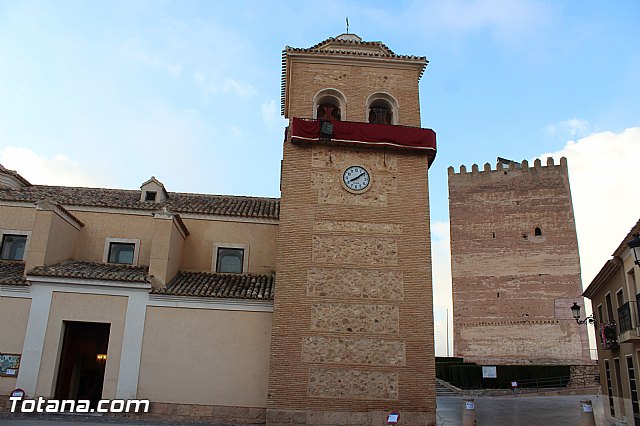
(363,135)
(624,317)
(629,322)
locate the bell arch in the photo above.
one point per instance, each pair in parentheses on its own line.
(330,104)
(381,108)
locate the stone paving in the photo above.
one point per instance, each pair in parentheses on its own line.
(520,410)
(7,419)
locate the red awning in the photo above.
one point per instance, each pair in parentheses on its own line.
(365,134)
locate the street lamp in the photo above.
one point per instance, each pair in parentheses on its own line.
(634,246)
(575,311)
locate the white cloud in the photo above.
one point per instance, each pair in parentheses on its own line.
(219,85)
(604,192)
(236,132)
(271,115)
(505,16)
(57,170)
(440,253)
(509,21)
(441,264)
(140,50)
(572,128)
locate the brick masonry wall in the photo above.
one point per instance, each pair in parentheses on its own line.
(512,289)
(357,80)
(352,324)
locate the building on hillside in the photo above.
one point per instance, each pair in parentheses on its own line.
(515,265)
(615,297)
(172,297)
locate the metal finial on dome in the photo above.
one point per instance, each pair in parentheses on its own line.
(347,25)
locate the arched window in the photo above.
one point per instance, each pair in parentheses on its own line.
(329,105)
(380,112)
(538,232)
(382,108)
(328,111)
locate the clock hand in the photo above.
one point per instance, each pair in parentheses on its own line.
(357,177)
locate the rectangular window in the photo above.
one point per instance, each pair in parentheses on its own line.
(607,372)
(633,386)
(150,196)
(230,260)
(633,285)
(624,317)
(13,247)
(610,314)
(121,253)
(600,315)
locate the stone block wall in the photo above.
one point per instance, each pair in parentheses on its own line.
(512,289)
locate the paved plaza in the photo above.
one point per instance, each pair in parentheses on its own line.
(490,411)
(520,410)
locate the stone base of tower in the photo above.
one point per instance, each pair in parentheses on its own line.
(276,417)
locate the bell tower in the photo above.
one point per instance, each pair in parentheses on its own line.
(352,336)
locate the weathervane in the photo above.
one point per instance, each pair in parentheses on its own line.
(347,25)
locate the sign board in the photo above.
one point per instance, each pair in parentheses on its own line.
(489,372)
(514,384)
(392,418)
(9,364)
(17,393)
(469,405)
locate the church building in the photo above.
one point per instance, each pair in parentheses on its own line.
(315,308)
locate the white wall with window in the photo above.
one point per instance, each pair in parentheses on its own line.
(14,244)
(123,251)
(230,258)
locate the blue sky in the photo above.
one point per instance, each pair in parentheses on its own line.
(110,93)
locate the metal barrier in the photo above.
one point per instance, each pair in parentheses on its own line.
(576,381)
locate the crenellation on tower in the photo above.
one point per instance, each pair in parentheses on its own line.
(511,166)
(515,264)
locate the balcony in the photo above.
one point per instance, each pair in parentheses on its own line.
(609,335)
(362,135)
(629,322)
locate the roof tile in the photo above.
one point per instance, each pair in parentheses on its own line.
(224,205)
(93,271)
(228,286)
(12,273)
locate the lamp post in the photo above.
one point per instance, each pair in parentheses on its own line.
(634,246)
(575,311)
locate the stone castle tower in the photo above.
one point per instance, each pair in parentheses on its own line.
(352,335)
(515,265)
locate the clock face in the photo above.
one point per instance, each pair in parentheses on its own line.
(356,178)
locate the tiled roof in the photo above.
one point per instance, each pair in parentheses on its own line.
(11,272)
(15,175)
(624,245)
(353,46)
(93,271)
(225,205)
(230,286)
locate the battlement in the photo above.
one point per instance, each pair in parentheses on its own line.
(505,166)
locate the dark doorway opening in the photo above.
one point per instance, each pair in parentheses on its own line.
(82,361)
